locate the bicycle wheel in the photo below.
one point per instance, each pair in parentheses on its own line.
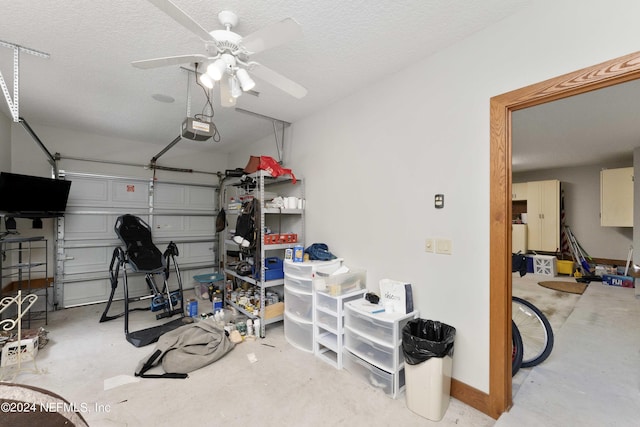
(516,349)
(535,331)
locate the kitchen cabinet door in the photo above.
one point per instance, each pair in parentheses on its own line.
(616,197)
(543,214)
(519,191)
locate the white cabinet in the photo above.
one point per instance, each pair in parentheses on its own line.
(519,238)
(616,197)
(519,191)
(543,215)
(329,325)
(373,346)
(267,254)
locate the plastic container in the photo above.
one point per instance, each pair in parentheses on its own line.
(339,284)
(428,387)
(427,346)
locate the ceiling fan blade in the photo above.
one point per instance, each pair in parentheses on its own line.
(226,100)
(169,60)
(182,18)
(278,80)
(273,35)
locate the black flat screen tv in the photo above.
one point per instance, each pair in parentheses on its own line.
(32,196)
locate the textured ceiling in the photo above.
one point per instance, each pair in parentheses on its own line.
(89,84)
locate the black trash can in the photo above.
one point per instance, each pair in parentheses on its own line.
(427,346)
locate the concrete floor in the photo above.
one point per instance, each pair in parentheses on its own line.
(592,377)
(91,363)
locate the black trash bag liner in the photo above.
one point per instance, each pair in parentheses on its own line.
(423,339)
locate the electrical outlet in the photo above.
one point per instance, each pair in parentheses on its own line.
(428,245)
(444,246)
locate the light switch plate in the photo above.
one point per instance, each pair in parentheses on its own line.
(444,246)
(428,245)
(439,201)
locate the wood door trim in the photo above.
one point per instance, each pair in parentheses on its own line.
(608,73)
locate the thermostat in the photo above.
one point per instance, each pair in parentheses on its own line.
(439,201)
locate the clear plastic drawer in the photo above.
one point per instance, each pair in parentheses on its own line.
(298,334)
(298,304)
(368,373)
(298,284)
(363,324)
(373,352)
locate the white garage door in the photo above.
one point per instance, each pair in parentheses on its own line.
(182,213)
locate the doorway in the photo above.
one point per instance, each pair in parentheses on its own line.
(609,73)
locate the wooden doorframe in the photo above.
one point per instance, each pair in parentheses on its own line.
(608,73)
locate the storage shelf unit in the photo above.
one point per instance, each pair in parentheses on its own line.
(329,325)
(372,348)
(23,267)
(280,221)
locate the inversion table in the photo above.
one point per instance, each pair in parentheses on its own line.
(143,256)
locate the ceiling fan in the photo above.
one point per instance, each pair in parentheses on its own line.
(228,60)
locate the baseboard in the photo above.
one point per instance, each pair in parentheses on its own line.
(472,397)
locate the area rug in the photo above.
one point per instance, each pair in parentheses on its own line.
(571,287)
(27,406)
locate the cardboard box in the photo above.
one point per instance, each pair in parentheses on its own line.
(617,280)
(274,310)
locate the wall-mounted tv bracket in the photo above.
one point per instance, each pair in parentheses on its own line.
(14,105)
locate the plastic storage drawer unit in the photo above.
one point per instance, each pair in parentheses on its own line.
(367,325)
(299,334)
(373,352)
(374,376)
(308,269)
(298,304)
(298,283)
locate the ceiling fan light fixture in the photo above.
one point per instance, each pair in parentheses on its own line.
(246,82)
(206,80)
(217,69)
(234,87)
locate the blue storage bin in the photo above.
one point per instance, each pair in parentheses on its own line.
(529,264)
(273,269)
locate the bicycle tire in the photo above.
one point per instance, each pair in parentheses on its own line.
(516,349)
(535,331)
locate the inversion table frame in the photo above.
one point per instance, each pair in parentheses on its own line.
(144,257)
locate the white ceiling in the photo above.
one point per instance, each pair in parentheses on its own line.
(594,128)
(88,83)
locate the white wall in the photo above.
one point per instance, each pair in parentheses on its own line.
(374,161)
(5,143)
(581,187)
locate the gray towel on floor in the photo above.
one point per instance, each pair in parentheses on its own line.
(186,349)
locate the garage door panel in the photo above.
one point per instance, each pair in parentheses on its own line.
(100,192)
(88,237)
(177,196)
(87,260)
(129,193)
(87,192)
(182,227)
(196,253)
